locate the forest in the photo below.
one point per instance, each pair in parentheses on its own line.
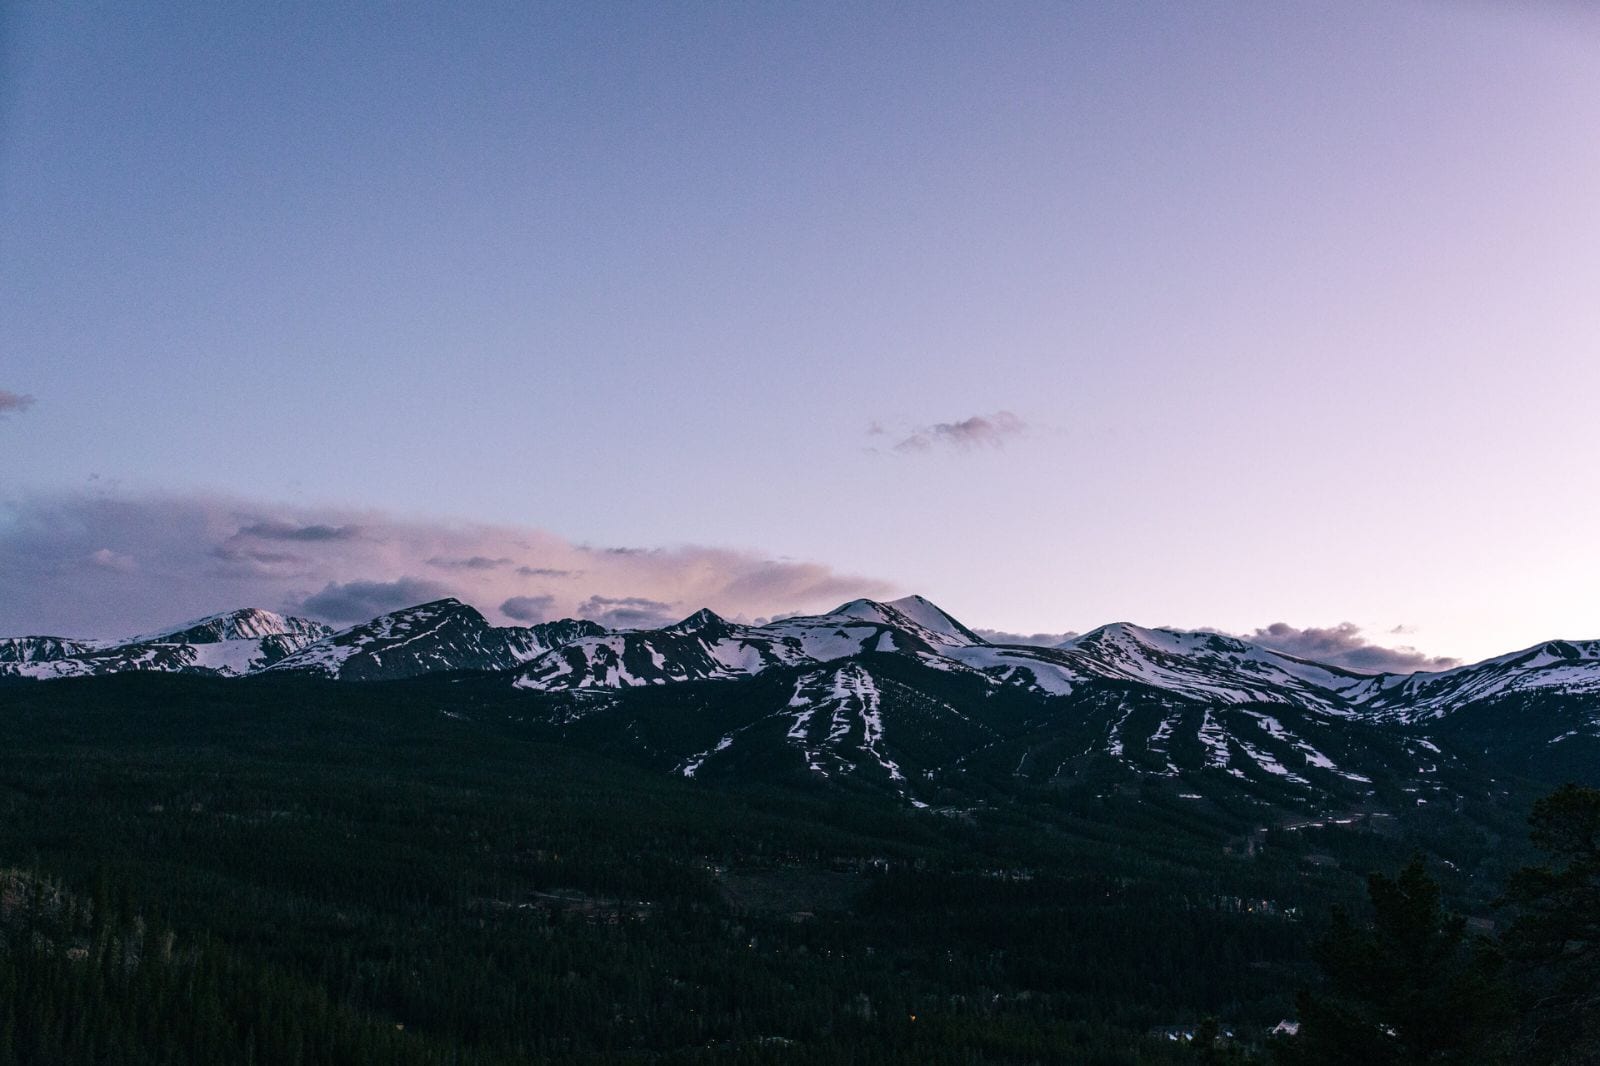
(199,871)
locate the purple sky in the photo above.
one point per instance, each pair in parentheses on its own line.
(1201,315)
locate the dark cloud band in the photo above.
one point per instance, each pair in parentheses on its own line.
(529,609)
(270,530)
(627,612)
(1344,645)
(357,601)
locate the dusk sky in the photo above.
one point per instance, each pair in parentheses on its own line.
(1059,314)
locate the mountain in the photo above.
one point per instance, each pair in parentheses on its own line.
(1211,667)
(912,614)
(19,650)
(231,644)
(705,646)
(444,635)
(250,623)
(1558,667)
(937,735)
(900,697)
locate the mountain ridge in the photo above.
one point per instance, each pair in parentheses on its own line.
(901,697)
(1199,664)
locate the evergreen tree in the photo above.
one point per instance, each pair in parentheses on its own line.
(1212,1047)
(1555,939)
(1407,988)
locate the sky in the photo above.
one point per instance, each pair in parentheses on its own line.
(1233,315)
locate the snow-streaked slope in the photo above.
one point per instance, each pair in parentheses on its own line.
(447,635)
(443,635)
(231,645)
(835,721)
(900,696)
(705,647)
(1564,667)
(1207,667)
(1042,670)
(14,650)
(1210,667)
(249,623)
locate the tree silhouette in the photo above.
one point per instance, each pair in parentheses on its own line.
(1407,988)
(1555,939)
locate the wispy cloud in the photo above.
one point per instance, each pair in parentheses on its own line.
(98,565)
(978,431)
(1344,645)
(106,559)
(471,562)
(13,402)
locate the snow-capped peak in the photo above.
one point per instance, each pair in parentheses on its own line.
(247,623)
(934,618)
(913,614)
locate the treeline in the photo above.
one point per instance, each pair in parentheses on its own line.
(1410,983)
(85,981)
(277,874)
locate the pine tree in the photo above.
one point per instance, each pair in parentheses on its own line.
(1555,939)
(1408,988)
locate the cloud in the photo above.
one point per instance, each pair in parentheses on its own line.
(197,554)
(247,559)
(270,530)
(1343,645)
(979,431)
(472,562)
(357,601)
(13,403)
(528,608)
(1042,640)
(106,559)
(628,612)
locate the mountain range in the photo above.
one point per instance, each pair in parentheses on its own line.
(901,697)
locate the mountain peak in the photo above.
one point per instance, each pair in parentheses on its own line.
(916,615)
(443,603)
(704,618)
(1172,641)
(859,608)
(445,611)
(931,616)
(246,623)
